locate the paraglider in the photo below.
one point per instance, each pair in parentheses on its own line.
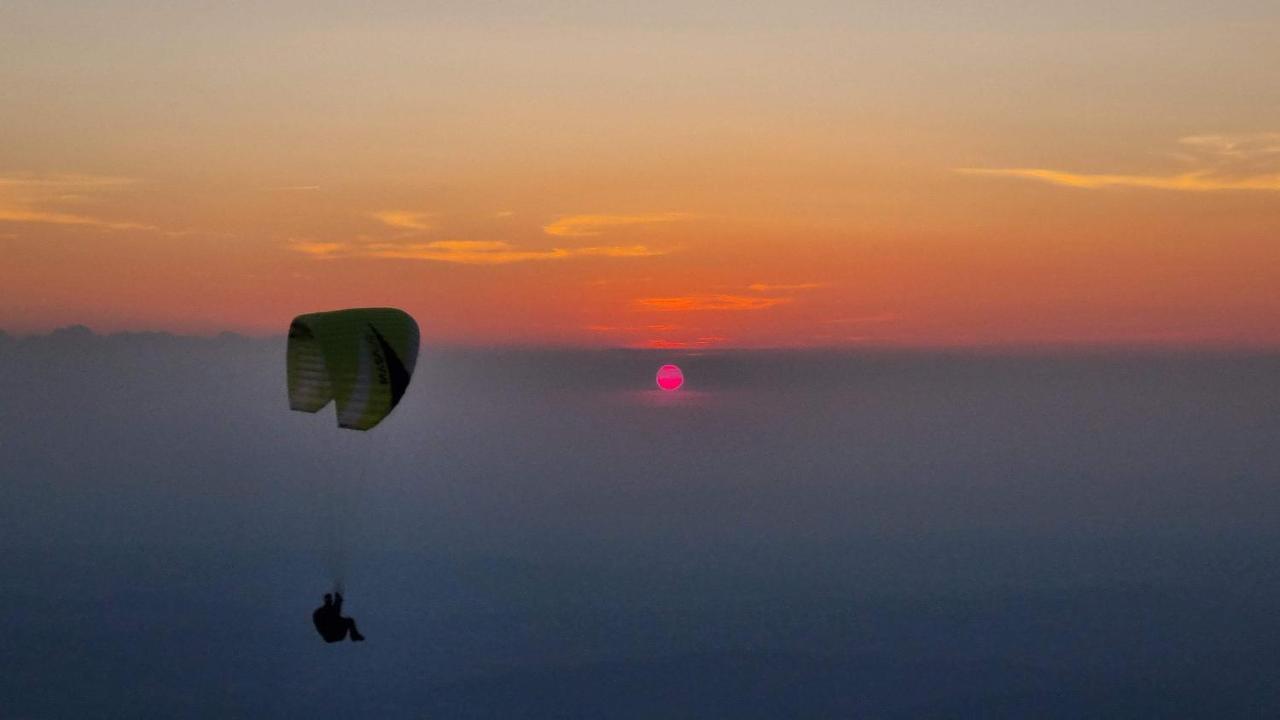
(361,360)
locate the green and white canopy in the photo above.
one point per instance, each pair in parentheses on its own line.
(360,358)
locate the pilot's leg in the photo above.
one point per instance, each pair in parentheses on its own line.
(351,628)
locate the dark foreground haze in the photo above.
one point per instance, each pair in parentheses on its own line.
(544,534)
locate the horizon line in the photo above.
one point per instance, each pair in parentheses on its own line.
(1024,347)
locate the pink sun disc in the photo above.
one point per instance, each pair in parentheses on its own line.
(670,377)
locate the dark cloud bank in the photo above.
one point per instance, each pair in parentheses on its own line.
(540,534)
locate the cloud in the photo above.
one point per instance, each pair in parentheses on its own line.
(586,225)
(1237,146)
(1192,182)
(685,303)
(768,287)
(463,252)
(841,339)
(1219,163)
(655,327)
(702,342)
(618,251)
(23,215)
(403,219)
(66,181)
(865,319)
(36,200)
(326,250)
(640,336)
(199,233)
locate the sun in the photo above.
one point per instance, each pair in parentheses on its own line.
(670,377)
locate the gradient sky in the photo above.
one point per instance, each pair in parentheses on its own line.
(657,173)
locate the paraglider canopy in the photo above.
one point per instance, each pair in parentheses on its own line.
(362,359)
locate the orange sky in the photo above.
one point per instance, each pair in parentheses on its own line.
(701,175)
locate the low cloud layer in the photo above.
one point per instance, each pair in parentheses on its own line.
(544,533)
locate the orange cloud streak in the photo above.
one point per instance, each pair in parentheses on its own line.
(707,302)
(403,219)
(1220,162)
(768,287)
(1191,182)
(22,198)
(464,252)
(586,225)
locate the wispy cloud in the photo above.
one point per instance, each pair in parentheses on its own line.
(212,234)
(586,225)
(642,336)
(25,215)
(463,252)
(403,219)
(654,327)
(659,344)
(828,338)
(324,250)
(1238,146)
(66,181)
(876,319)
(1219,163)
(618,251)
(778,287)
(685,303)
(41,200)
(1193,181)
(702,342)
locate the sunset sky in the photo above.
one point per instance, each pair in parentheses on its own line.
(663,174)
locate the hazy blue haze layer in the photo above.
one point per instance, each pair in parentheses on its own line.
(543,534)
